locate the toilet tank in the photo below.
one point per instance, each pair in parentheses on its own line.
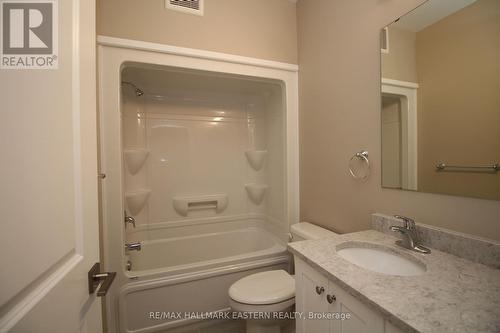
(305,230)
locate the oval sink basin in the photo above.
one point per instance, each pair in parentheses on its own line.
(381,259)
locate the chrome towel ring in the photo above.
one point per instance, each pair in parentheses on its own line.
(363,156)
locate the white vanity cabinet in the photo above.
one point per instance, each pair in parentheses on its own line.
(320,301)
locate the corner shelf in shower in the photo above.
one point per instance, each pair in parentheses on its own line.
(135,158)
(256,158)
(256,192)
(136,200)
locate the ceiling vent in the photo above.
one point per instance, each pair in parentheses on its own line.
(186,6)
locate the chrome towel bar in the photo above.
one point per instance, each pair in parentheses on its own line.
(494,167)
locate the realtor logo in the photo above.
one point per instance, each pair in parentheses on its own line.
(29,34)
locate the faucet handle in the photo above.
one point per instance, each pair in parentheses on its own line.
(129,219)
(409,223)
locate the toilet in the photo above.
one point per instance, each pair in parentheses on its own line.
(270,291)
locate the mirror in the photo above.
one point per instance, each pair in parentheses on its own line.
(440,108)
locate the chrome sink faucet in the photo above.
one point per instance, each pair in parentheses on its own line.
(410,237)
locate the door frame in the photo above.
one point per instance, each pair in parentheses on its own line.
(407,93)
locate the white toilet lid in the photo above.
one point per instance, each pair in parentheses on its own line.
(263,288)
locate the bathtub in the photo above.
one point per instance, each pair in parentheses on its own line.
(171,275)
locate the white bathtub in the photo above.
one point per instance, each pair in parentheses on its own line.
(192,273)
(179,253)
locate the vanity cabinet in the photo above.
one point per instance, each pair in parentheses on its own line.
(321,303)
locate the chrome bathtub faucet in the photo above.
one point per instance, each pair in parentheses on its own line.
(133,246)
(129,220)
(410,237)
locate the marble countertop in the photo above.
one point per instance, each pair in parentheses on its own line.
(453,295)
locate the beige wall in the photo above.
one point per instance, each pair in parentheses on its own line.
(339,58)
(458,62)
(400,63)
(255,28)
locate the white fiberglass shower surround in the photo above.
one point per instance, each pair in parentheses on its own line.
(201,150)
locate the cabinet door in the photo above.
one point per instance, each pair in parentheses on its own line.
(310,299)
(362,318)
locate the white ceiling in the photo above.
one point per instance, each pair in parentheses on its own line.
(429,13)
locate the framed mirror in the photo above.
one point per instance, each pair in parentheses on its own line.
(440,107)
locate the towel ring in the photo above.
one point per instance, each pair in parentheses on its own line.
(363,155)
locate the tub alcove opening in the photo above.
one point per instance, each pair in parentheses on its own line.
(204,175)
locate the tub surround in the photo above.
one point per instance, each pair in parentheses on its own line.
(196,127)
(453,295)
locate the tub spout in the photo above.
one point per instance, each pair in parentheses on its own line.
(133,246)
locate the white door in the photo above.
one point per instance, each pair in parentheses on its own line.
(48,183)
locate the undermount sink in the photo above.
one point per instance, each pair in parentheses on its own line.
(380,259)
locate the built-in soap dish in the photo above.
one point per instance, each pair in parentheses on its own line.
(136,200)
(213,201)
(256,192)
(135,158)
(256,158)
